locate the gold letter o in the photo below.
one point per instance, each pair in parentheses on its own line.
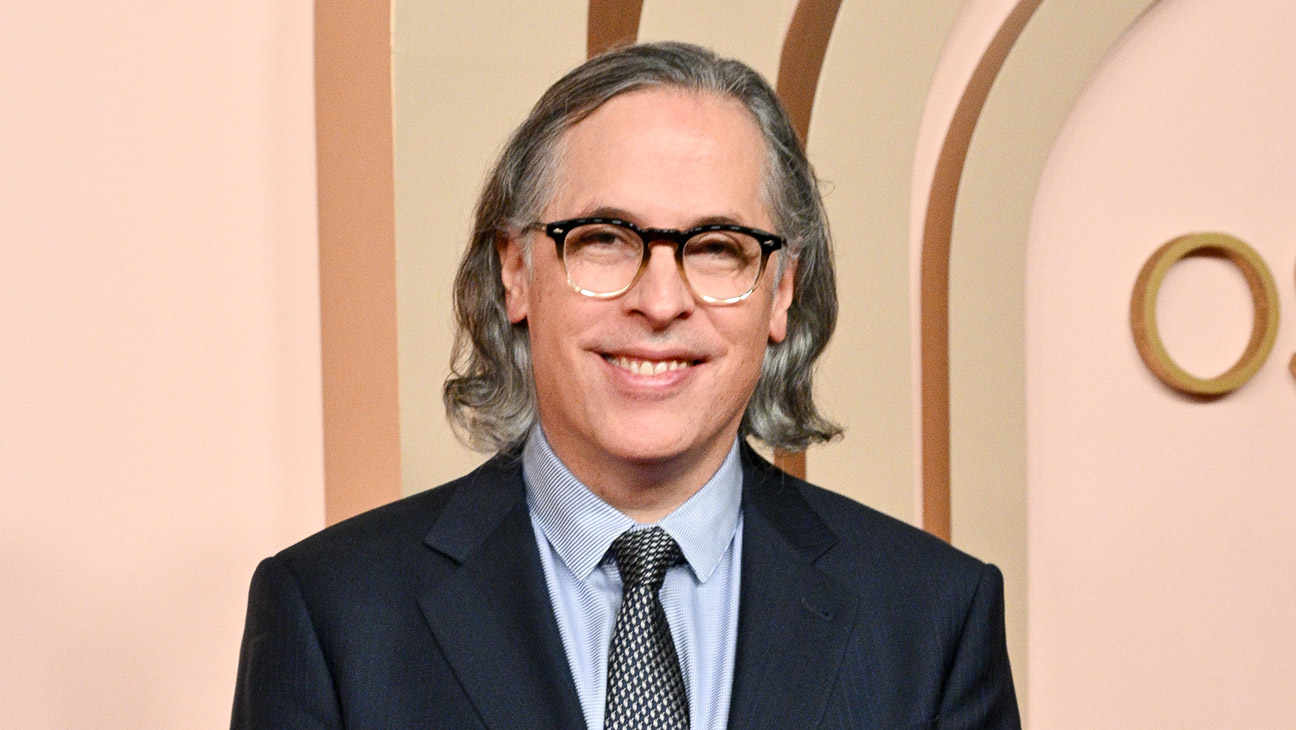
(1264,298)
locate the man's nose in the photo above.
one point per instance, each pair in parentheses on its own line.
(660,295)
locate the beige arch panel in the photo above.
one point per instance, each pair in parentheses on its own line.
(934,263)
(1031,96)
(988,215)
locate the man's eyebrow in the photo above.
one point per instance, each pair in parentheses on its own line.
(607,211)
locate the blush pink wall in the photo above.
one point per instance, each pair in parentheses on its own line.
(159,348)
(1161,546)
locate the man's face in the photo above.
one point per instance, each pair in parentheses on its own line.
(659,158)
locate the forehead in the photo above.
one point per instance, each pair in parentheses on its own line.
(664,157)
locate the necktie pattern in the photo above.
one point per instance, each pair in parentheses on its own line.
(645,684)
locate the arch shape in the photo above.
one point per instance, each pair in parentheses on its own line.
(976,209)
(933,281)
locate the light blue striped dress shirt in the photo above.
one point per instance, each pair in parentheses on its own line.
(574,528)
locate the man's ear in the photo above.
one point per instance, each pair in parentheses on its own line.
(514,275)
(783,290)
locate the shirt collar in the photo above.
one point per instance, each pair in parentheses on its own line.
(581,526)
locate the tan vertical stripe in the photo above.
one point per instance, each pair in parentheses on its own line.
(800,64)
(357,238)
(934,281)
(802,58)
(611,23)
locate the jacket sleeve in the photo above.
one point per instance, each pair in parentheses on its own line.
(978,692)
(283,678)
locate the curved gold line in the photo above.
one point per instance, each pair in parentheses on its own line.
(938,228)
(801,60)
(611,23)
(800,63)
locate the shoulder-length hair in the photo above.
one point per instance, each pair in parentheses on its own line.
(490,394)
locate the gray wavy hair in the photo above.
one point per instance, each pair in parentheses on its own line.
(490,395)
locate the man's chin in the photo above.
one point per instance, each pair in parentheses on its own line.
(660,452)
(647,453)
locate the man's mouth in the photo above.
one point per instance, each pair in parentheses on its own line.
(648,367)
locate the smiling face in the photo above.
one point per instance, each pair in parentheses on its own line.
(641,395)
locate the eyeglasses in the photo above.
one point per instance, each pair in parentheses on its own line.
(604,257)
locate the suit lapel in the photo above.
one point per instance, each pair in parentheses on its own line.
(491,613)
(794,620)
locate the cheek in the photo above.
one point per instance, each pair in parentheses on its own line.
(750,341)
(544,306)
(557,325)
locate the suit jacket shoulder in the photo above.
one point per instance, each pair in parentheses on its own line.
(910,629)
(376,542)
(430,612)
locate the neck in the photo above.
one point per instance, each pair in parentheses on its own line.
(648,497)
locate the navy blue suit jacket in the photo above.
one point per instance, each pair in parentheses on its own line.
(432,612)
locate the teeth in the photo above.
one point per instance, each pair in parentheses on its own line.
(648,367)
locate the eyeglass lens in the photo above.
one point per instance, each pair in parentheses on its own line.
(603,258)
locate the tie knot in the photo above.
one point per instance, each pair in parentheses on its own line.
(643,556)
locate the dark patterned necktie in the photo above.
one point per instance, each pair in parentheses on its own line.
(645,685)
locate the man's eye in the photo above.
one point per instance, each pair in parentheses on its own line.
(728,248)
(602,236)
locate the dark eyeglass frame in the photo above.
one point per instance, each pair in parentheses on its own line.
(558,230)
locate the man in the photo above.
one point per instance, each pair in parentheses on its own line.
(648,283)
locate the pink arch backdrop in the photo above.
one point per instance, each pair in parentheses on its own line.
(1160,526)
(184,391)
